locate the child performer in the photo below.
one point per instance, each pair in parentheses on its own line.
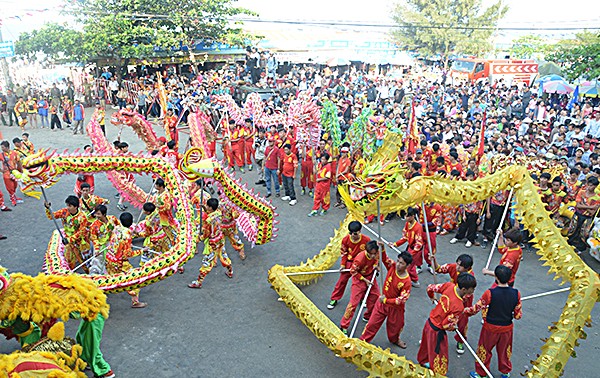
(464,264)
(212,233)
(352,244)
(413,235)
(433,352)
(396,290)
(503,305)
(119,252)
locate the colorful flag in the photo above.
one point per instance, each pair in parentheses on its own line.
(482,136)
(412,133)
(574,99)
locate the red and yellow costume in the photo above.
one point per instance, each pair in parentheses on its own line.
(463,320)
(396,290)
(307,176)
(362,271)
(444,317)
(212,233)
(155,237)
(89,205)
(412,234)
(511,258)
(229,216)
(237,146)
(434,222)
(248,144)
(10,162)
(322,187)
(349,250)
(100,233)
(503,304)
(171,126)
(119,252)
(76,231)
(164,206)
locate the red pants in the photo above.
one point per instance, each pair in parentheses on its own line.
(322,196)
(228,155)
(307,178)
(359,288)
(238,153)
(249,149)
(438,362)
(371,218)
(2,204)
(463,320)
(212,148)
(394,324)
(340,286)
(417,261)
(432,239)
(11,188)
(503,344)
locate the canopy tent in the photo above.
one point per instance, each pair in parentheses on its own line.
(557,86)
(549,68)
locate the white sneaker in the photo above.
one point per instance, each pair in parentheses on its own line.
(430,270)
(453,240)
(416,284)
(293,202)
(419,270)
(468,244)
(285,198)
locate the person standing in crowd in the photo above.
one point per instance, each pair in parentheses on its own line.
(271,166)
(322,198)
(288,165)
(78,117)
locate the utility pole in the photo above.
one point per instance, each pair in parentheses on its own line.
(4,66)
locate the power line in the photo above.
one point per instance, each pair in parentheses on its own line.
(411,26)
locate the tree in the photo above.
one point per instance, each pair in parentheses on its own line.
(125,29)
(56,41)
(579,57)
(527,46)
(445,26)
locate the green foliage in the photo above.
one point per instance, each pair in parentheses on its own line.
(527,46)
(446,26)
(579,57)
(54,40)
(124,29)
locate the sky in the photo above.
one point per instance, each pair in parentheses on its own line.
(522,13)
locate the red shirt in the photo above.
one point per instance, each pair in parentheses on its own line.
(434,215)
(324,172)
(484,302)
(350,249)
(396,288)
(499,198)
(511,258)
(289,164)
(413,235)
(363,266)
(450,269)
(272,157)
(343,169)
(450,305)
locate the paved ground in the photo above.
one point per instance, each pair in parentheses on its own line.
(236,327)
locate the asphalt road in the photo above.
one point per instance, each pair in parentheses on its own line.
(236,327)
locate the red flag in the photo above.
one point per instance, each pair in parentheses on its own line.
(412,132)
(482,136)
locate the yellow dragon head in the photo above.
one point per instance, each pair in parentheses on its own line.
(37,171)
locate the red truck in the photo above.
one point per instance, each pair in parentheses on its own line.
(511,71)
